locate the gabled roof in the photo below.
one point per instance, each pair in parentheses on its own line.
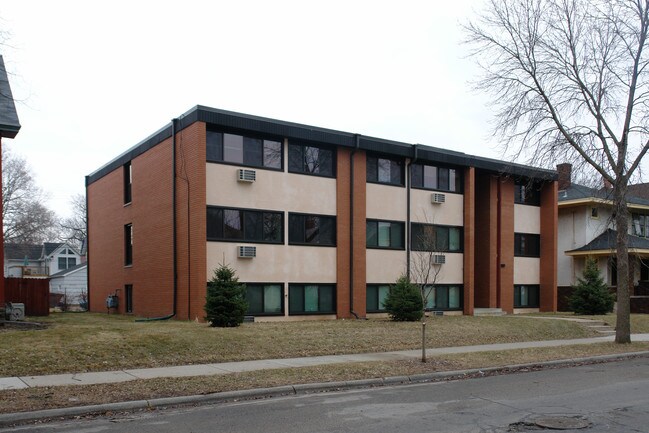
(580,193)
(70,270)
(9,124)
(605,243)
(20,251)
(50,247)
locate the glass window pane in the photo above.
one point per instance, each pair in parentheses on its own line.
(214,223)
(372,234)
(253,226)
(272,227)
(371,298)
(451,180)
(524,300)
(311,160)
(272,154)
(384,234)
(296,228)
(417,175)
(295,299)
(295,158)
(233,148)
(372,169)
(441,238)
(454,239)
(442,298)
(384,170)
(517,296)
(430,176)
(273,299)
(252,151)
(312,229)
(383,292)
(232,224)
(72,261)
(458,181)
(533,296)
(326,299)
(396,235)
(325,162)
(395,173)
(327,231)
(214,146)
(254,298)
(442,178)
(454,297)
(429,293)
(310,298)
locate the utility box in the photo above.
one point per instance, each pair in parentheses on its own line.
(15,311)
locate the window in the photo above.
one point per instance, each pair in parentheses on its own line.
(311,229)
(311,159)
(244,225)
(249,151)
(128,181)
(128,294)
(526,296)
(375,297)
(640,225)
(644,270)
(311,299)
(437,178)
(443,297)
(67,262)
(527,245)
(429,237)
(128,244)
(265,299)
(594,213)
(384,170)
(384,234)
(527,193)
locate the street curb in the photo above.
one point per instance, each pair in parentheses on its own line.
(301,389)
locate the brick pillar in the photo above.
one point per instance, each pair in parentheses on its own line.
(486,213)
(506,245)
(549,224)
(469,240)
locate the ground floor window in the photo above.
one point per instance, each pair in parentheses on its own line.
(128,294)
(376,295)
(265,299)
(311,299)
(526,296)
(443,297)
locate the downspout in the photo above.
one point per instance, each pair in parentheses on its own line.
(351,225)
(409,179)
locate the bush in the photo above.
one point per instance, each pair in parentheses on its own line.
(226,303)
(591,295)
(404,303)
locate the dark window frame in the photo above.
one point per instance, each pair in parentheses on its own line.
(527,245)
(527,193)
(128,244)
(459,178)
(303,145)
(263,294)
(245,239)
(370,163)
(128,182)
(291,216)
(534,296)
(403,235)
(220,159)
(644,227)
(415,247)
(372,287)
(447,287)
(312,313)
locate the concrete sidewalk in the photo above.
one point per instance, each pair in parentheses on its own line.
(8,383)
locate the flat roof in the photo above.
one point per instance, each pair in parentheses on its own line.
(239,122)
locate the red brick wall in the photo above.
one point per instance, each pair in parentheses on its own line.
(469,239)
(485,241)
(506,254)
(548,268)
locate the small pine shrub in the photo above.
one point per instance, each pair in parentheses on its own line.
(591,295)
(404,303)
(226,303)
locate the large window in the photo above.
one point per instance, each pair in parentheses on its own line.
(67,262)
(128,244)
(311,299)
(128,182)
(311,159)
(527,193)
(376,295)
(527,245)
(311,229)
(385,234)
(430,237)
(384,170)
(265,299)
(526,296)
(436,178)
(244,225)
(443,297)
(640,225)
(237,149)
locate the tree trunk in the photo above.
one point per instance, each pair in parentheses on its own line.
(623,327)
(423,340)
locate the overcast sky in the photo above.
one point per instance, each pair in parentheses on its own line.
(94,78)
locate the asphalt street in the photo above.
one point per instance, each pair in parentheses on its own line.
(609,397)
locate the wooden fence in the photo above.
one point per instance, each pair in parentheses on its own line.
(33,292)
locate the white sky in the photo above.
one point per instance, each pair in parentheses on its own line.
(94,78)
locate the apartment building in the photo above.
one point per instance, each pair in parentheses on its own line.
(318,223)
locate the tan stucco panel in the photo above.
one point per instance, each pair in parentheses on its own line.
(527,270)
(527,219)
(451,212)
(386,202)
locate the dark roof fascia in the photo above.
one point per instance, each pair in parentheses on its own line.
(234,121)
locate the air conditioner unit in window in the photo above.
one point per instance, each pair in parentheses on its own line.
(245,175)
(247,252)
(439,259)
(438,198)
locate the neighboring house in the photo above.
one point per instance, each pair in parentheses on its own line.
(316,222)
(9,127)
(29,260)
(72,283)
(587,228)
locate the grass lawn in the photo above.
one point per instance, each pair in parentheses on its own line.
(81,342)
(639,322)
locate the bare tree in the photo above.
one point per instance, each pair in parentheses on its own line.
(74,228)
(25,218)
(570,82)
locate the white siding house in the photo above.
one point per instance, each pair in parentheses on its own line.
(72,283)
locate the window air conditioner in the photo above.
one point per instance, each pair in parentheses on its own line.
(247,252)
(245,175)
(439,259)
(438,198)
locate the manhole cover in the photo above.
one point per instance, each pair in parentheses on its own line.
(561,422)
